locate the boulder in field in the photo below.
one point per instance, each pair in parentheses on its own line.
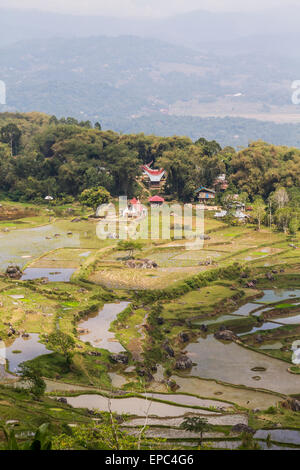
(183,363)
(225,335)
(242,428)
(291,404)
(168,349)
(119,358)
(14,272)
(184,337)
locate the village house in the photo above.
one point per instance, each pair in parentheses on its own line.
(155,178)
(134,209)
(205,194)
(221,183)
(156,200)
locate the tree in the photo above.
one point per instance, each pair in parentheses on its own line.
(94,197)
(130,246)
(259,211)
(124,166)
(11,135)
(210,148)
(98,126)
(283,218)
(33,378)
(196,424)
(62,343)
(294,225)
(248,442)
(280,198)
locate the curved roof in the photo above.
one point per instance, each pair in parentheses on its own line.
(154,175)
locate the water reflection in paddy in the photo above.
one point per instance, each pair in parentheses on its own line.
(54,275)
(264,327)
(98,326)
(220,319)
(17,246)
(34,242)
(30,349)
(233,364)
(131,406)
(244,310)
(286,436)
(272,296)
(289,320)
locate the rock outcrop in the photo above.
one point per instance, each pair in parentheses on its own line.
(141,264)
(184,337)
(183,363)
(225,335)
(94,354)
(14,272)
(119,358)
(242,428)
(291,404)
(168,349)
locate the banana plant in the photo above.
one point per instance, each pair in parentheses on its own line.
(41,439)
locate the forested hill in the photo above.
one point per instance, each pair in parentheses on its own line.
(41,155)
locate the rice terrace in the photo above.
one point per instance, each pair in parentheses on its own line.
(157,331)
(149,230)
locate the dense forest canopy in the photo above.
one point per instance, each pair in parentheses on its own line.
(41,155)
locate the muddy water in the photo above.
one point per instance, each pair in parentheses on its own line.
(271,296)
(30,349)
(244,310)
(265,326)
(187,400)
(286,436)
(132,406)
(233,364)
(295,320)
(20,246)
(98,326)
(32,242)
(60,275)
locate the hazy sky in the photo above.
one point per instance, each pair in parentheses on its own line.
(144,7)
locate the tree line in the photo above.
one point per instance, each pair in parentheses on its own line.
(42,155)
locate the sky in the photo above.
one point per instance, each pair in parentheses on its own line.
(148,8)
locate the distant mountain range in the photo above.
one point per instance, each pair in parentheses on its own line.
(185,69)
(192,29)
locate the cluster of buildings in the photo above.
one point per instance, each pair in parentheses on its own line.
(156,178)
(135,208)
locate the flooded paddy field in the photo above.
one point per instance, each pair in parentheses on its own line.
(22,350)
(97,328)
(135,406)
(233,364)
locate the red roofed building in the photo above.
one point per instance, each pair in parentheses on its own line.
(155,177)
(134,202)
(156,200)
(134,209)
